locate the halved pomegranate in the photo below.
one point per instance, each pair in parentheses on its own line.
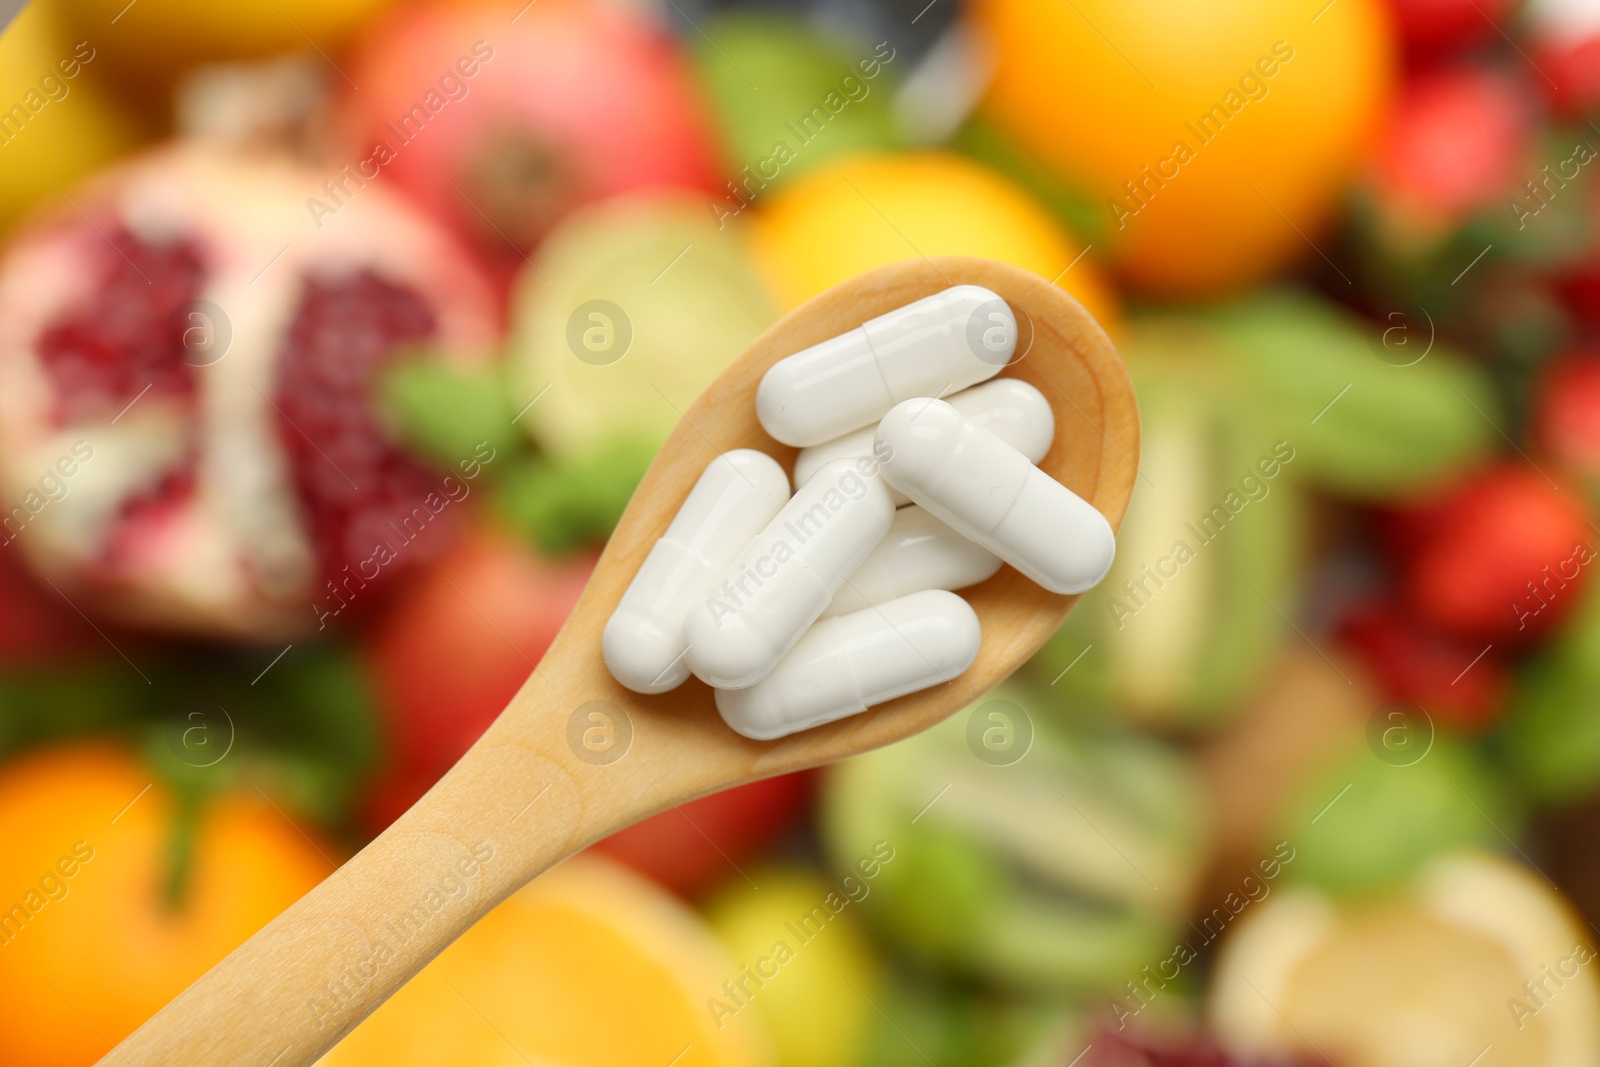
(187,360)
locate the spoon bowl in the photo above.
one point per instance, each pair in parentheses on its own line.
(576,756)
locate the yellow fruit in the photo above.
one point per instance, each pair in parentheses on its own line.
(160,37)
(1102,89)
(1480,962)
(53,128)
(804,965)
(589,966)
(864,211)
(86,925)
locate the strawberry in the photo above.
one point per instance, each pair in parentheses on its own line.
(189,435)
(1456,145)
(1498,557)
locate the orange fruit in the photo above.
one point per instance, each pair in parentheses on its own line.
(1480,962)
(1272,103)
(864,211)
(89,945)
(589,966)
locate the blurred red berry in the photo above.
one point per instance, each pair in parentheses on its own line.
(1455,145)
(452,650)
(503,117)
(1429,28)
(1454,681)
(1566,416)
(1499,557)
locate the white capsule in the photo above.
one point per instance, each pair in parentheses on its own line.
(645,639)
(782,581)
(933,347)
(919,552)
(989,491)
(1015,411)
(846,664)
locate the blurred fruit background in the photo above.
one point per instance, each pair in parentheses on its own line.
(335,336)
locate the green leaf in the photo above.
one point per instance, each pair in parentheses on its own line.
(562,504)
(443,412)
(1365,426)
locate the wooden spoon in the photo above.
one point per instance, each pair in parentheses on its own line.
(575,756)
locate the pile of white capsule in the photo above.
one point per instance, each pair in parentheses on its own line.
(805,608)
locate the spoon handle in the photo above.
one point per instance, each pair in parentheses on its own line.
(503,814)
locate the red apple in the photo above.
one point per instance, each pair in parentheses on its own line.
(503,117)
(453,649)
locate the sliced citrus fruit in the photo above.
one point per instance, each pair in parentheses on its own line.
(1479,961)
(633,306)
(589,966)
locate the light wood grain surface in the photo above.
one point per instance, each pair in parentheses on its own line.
(535,793)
